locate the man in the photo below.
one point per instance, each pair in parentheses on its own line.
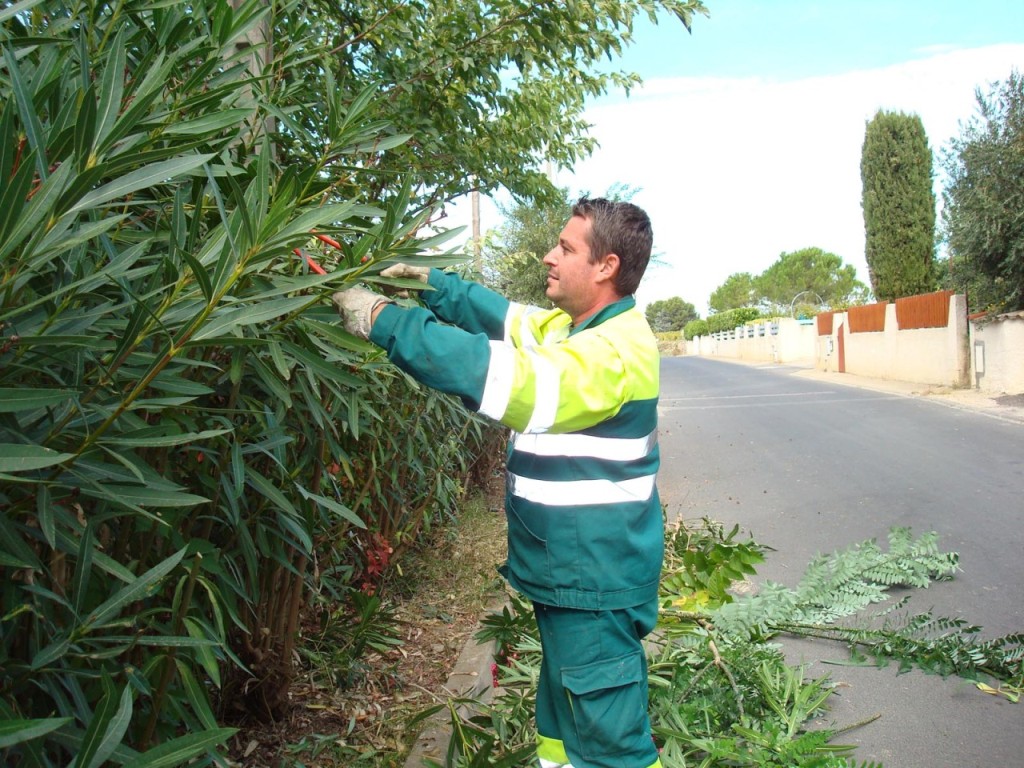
(578,385)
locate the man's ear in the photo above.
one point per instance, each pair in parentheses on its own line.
(609,267)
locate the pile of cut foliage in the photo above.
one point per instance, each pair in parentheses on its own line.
(721,692)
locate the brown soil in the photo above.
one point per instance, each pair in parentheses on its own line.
(437,595)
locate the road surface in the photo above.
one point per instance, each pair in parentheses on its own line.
(807,466)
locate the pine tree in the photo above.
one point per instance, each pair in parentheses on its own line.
(899,206)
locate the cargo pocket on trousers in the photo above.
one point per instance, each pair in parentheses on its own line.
(608,707)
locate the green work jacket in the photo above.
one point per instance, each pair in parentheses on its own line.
(585,527)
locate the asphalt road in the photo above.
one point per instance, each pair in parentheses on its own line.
(808,467)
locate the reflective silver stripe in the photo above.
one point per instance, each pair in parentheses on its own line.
(547,389)
(514,312)
(572,493)
(498,385)
(548,764)
(586,446)
(517,324)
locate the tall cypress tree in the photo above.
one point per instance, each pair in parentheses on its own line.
(899,206)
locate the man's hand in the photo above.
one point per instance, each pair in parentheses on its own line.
(407,271)
(356,306)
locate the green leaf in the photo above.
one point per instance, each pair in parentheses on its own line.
(44,511)
(58,240)
(205,652)
(147,176)
(140,496)
(83,567)
(14,549)
(15,191)
(16,731)
(130,593)
(207,123)
(111,87)
(50,653)
(258,482)
(13,399)
(15,457)
(182,749)
(381,144)
(222,322)
(39,210)
(314,218)
(107,727)
(330,504)
(13,10)
(155,437)
(339,337)
(198,698)
(29,115)
(300,534)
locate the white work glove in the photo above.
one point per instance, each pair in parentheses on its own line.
(409,272)
(356,305)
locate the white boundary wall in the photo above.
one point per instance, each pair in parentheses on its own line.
(936,356)
(779,340)
(987,353)
(997,353)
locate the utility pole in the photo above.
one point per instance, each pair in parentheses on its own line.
(474,197)
(256,49)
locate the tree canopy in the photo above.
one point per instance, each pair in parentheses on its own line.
(983,211)
(737,291)
(512,253)
(670,314)
(816,276)
(819,277)
(898,205)
(486,94)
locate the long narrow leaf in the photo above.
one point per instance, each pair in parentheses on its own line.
(16,731)
(147,176)
(137,590)
(50,654)
(111,87)
(106,728)
(271,492)
(114,733)
(223,322)
(40,209)
(314,219)
(29,115)
(13,400)
(182,749)
(16,8)
(208,124)
(15,457)
(333,506)
(152,438)
(379,145)
(198,698)
(139,496)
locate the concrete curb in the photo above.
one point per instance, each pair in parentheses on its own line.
(470,678)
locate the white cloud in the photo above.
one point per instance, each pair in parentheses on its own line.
(736,172)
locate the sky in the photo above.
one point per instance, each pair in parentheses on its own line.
(744,141)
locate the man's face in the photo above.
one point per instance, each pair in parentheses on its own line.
(572,284)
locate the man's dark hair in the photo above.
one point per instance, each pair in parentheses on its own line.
(622,229)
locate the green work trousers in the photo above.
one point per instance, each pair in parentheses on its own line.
(592,691)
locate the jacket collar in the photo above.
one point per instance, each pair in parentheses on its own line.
(606,313)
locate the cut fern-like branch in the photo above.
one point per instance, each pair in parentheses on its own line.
(841,584)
